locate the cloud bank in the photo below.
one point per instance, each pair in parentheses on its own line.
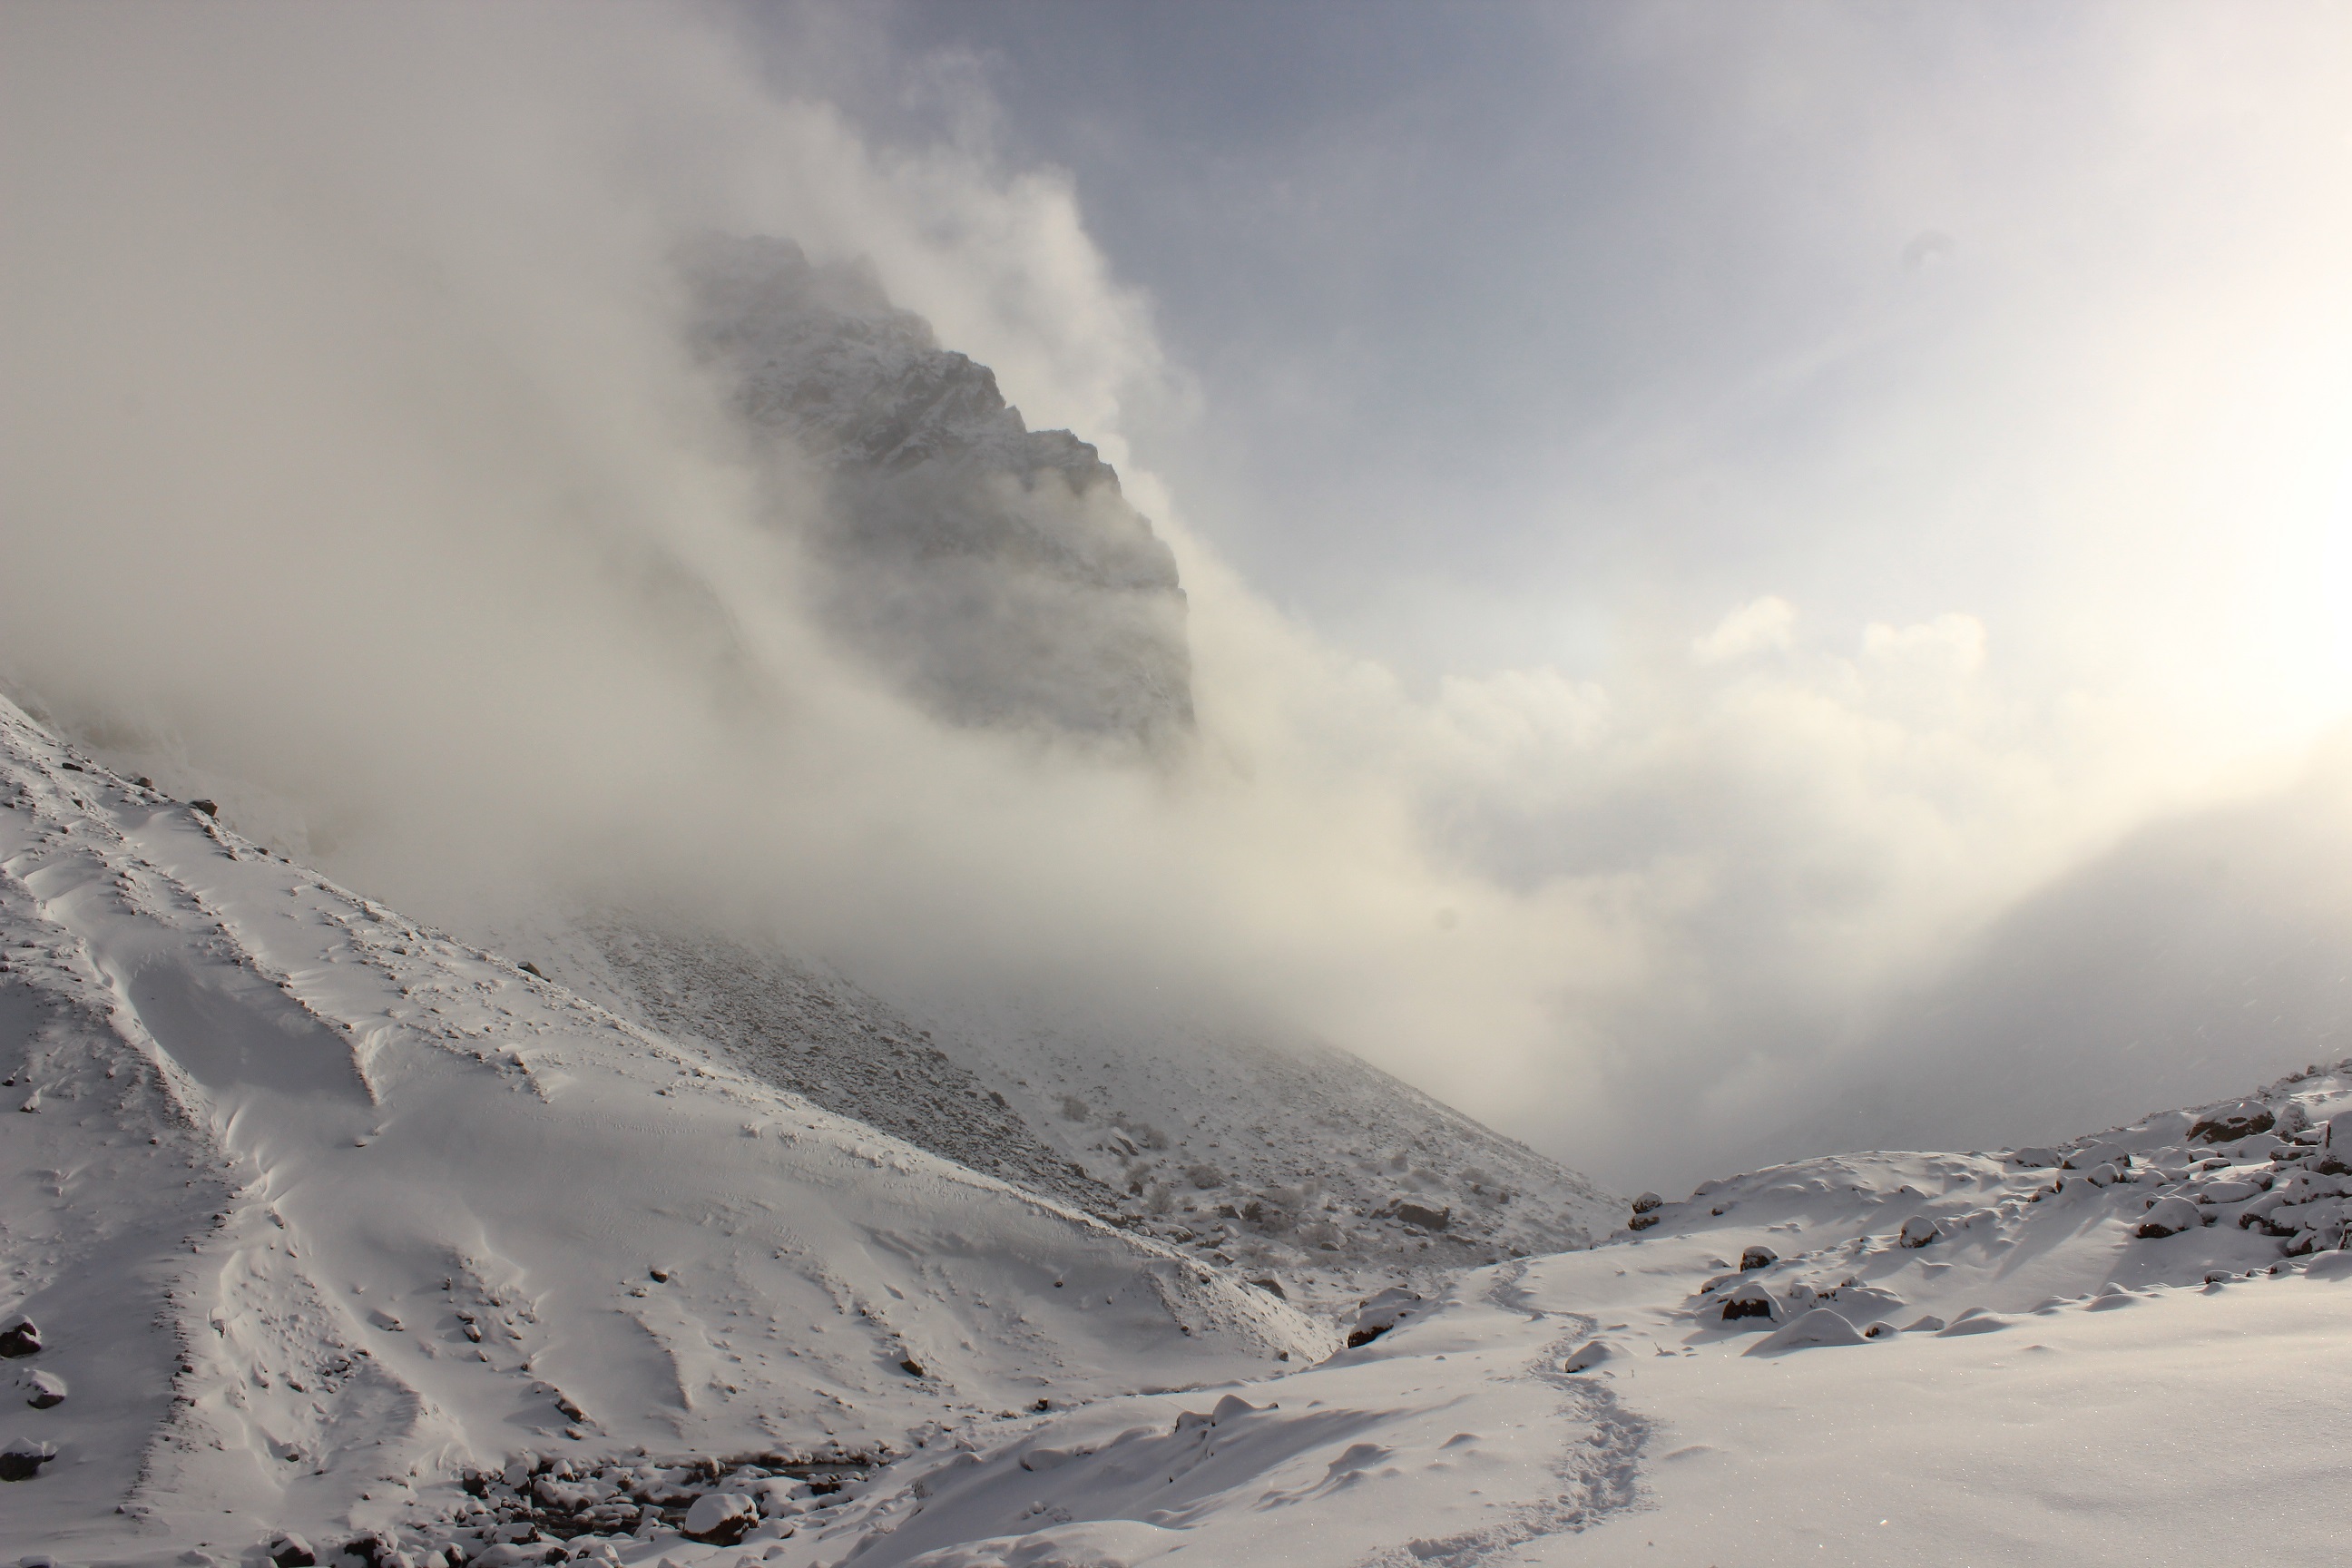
(356,469)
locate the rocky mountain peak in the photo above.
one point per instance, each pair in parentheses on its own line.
(996,571)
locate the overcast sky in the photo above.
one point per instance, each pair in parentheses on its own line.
(1507,322)
(1756,571)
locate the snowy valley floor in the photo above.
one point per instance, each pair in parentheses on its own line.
(327,1224)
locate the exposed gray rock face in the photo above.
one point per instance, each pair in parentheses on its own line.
(995,571)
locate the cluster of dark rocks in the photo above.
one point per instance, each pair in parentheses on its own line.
(543,1510)
(21,1458)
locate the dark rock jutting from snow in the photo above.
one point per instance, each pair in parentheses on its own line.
(2228,1123)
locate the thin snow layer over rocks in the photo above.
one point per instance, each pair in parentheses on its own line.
(995,570)
(1297,1165)
(314,1209)
(1289,1159)
(817,1035)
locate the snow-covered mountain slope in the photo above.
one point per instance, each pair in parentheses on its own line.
(804,1028)
(314,1207)
(1926,1359)
(1283,1156)
(997,569)
(1293,1163)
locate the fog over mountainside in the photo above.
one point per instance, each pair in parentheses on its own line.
(414,474)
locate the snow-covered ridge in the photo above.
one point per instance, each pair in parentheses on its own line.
(315,1208)
(997,569)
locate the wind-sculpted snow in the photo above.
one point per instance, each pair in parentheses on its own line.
(314,1209)
(995,570)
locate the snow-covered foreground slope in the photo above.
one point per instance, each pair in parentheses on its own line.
(319,1215)
(314,1209)
(2036,1381)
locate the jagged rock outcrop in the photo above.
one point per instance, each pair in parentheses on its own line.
(996,572)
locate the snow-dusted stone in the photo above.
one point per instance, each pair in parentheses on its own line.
(1380,1312)
(1975,1321)
(2092,1156)
(1919,1231)
(1758,1257)
(776,1495)
(2034,1159)
(1587,1355)
(2228,1123)
(2169,1217)
(288,1550)
(1749,1301)
(20,1338)
(1647,1202)
(1822,1326)
(2230,1190)
(22,1459)
(1423,1216)
(2103,1175)
(510,1554)
(719,1518)
(48,1389)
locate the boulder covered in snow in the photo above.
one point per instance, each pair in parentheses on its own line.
(1758,1257)
(20,1338)
(22,1459)
(2169,1216)
(1822,1326)
(1749,1300)
(48,1390)
(720,1519)
(1919,1231)
(1587,1355)
(2228,1123)
(1382,1312)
